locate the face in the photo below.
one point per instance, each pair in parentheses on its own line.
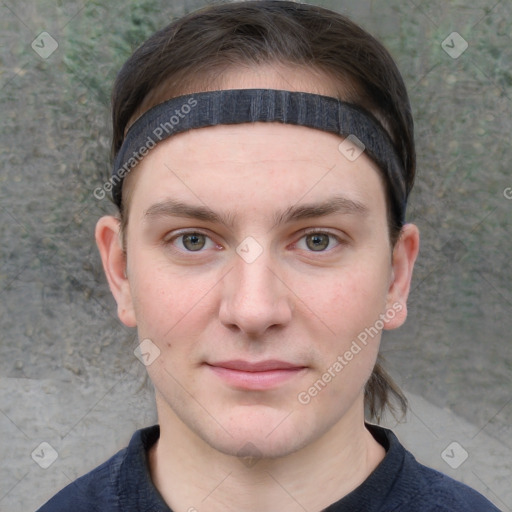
(260,270)
(294,268)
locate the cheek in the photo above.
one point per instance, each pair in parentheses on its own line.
(347,309)
(172,306)
(348,300)
(343,311)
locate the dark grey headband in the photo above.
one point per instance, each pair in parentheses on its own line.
(235,106)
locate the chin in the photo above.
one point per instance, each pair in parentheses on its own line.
(262,435)
(246,446)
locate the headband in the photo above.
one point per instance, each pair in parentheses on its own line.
(235,106)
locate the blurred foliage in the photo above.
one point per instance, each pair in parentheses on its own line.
(99,43)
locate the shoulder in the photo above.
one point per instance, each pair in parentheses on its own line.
(121,483)
(92,492)
(401,484)
(440,493)
(433,491)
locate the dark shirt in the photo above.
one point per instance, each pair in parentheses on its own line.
(398,484)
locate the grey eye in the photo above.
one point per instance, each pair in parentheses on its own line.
(317,241)
(194,241)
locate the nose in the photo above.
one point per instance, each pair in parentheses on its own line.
(254,297)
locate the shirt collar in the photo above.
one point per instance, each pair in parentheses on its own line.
(136,490)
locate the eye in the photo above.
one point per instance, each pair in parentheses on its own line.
(192,241)
(318,241)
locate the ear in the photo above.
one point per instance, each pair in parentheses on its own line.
(109,243)
(404,255)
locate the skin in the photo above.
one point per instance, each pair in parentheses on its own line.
(291,303)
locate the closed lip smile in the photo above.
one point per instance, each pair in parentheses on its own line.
(257,376)
(261,366)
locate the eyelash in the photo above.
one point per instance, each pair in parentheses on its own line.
(305,233)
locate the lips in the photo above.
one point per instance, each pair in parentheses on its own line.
(262,366)
(256,376)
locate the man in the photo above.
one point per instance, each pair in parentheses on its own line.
(264,154)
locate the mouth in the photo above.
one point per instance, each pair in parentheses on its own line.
(255,376)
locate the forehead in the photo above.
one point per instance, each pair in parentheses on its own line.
(253,170)
(272,75)
(267,75)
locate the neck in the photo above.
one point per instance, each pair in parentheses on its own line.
(191,475)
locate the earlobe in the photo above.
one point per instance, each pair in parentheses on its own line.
(114,264)
(404,256)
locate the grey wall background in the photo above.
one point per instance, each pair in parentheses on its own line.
(68,374)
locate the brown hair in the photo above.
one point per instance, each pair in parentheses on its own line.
(182,57)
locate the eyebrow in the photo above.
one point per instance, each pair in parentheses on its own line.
(333,205)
